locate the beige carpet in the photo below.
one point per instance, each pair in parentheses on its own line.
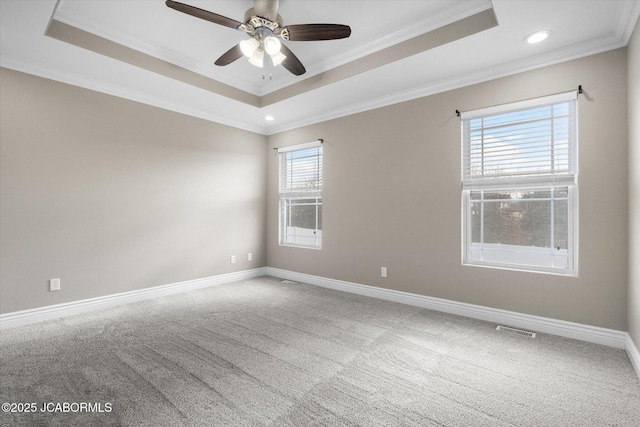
(262,352)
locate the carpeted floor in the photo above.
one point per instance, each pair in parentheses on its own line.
(268,353)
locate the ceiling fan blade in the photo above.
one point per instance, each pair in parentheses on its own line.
(267,9)
(229,56)
(292,63)
(312,32)
(204,14)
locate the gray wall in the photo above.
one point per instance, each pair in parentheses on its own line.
(112,195)
(392,198)
(634,185)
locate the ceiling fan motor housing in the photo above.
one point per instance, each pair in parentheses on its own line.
(257,26)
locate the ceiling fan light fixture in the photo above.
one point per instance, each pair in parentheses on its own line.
(257,58)
(249,47)
(264,26)
(278,58)
(272,45)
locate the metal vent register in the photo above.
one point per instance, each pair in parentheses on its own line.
(516,331)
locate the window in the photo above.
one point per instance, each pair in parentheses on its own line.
(301,195)
(519,185)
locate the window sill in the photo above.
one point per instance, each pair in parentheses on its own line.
(523,268)
(294,245)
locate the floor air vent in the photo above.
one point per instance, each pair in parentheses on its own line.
(289,282)
(516,331)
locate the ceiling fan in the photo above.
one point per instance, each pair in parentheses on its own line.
(264,26)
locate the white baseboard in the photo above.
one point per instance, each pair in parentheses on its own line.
(592,334)
(634,355)
(26,317)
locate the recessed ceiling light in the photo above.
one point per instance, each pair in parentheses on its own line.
(538,36)
(269,118)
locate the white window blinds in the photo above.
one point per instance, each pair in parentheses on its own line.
(530,141)
(301,170)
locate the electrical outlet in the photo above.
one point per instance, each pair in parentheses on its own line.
(383,271)
(233,259)
(54,285)
(249,256)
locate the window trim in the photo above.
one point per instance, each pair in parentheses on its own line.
(511,183)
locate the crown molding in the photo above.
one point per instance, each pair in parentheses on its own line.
(570,53)
(122,92)
(526,64)
(628,15)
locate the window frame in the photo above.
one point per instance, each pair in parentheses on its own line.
(515,184)
(286,197)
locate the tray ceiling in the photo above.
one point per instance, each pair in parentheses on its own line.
(398,50)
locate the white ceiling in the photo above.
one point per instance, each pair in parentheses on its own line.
(580,28)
